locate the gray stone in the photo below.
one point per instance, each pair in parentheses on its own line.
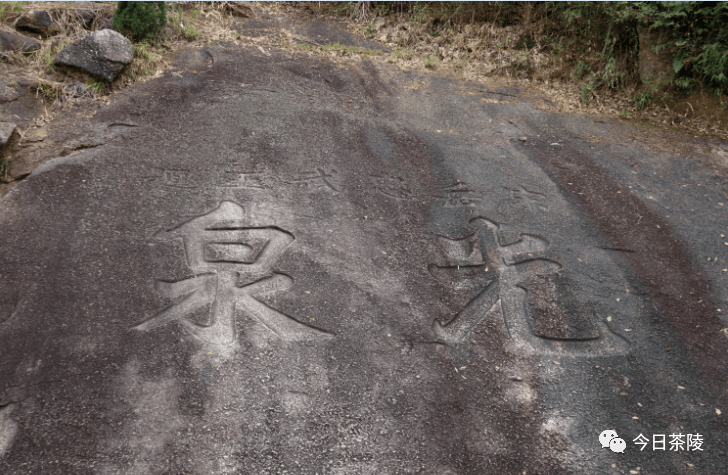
(6,131)
(325,272)
(103,53)
(106,24)
(78,89)
(38,22)
(17,43)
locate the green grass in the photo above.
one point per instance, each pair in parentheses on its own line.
(431,61)
(47,92)
(587,88)
(8,9)
(183,28)
(404,53)
(369,30)
(97,86)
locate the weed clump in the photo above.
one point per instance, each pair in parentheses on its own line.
(139,20)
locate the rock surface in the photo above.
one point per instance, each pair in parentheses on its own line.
(17,43)
(7,129)
(103,53)
(17,103)
(334,273)
(38,22)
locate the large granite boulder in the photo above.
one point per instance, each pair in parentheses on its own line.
(103,53)
(38,22)
(17,43)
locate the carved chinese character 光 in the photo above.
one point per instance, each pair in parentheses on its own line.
(549,317)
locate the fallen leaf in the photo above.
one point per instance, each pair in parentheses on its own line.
(640,405)
(556,362)
(635,417)
(680,387)
(263,51)
(627,330)
(717,411)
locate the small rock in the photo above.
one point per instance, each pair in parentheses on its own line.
(78,89)
(6,131)
(10,92)
(103,53)
(38,22)
(17,43)
(522,139)
(106,24)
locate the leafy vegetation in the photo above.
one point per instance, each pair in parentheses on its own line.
(98,87)
(186,31)
(599,41)
(431,61)
(140,20)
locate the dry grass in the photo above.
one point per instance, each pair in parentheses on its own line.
(473,49)
(482,51)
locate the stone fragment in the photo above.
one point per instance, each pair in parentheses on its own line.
(6,131)
(78,89)
(103,53)
(17,43)
(38,22)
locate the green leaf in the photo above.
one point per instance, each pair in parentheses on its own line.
(677,64)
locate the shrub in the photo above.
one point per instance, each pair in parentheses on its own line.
(139,20)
